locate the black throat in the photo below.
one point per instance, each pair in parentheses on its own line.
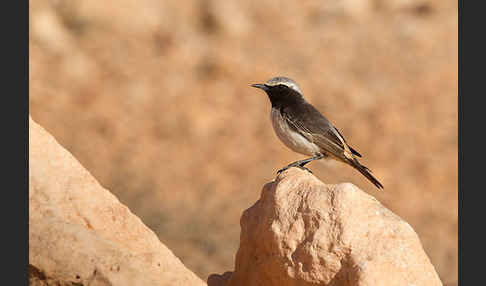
(282,96)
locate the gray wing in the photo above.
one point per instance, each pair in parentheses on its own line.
(311,124)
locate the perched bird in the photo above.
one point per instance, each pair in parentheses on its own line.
(305,130)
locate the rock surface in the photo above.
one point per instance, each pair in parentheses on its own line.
(303,232)
(80,234)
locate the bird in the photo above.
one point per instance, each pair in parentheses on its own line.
(303,129)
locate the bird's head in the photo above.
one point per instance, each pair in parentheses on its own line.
(280,89)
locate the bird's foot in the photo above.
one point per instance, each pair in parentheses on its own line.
(304,168)
(293,165)
(283,169)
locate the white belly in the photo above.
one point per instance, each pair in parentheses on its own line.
(290,138)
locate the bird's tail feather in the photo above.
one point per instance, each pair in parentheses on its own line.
(365,171)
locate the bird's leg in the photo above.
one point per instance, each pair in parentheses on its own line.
(301,163)
(305,161)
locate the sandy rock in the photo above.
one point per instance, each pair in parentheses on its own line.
(303,232)
(80,234)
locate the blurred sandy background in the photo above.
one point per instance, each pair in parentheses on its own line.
(153,98)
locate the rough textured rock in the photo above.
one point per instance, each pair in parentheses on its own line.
(80,234)
(303,232)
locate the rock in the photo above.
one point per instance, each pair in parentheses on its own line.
(303,232)
(219,280)
(80,234)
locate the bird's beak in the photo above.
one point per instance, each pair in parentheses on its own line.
(260,86)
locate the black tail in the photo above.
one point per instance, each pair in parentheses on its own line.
(365,171)
(354,151)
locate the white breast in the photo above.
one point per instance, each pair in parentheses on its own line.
(290,138)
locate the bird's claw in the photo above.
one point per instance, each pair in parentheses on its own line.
(304,168)
(298,166)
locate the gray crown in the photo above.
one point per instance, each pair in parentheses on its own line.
(284,81)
